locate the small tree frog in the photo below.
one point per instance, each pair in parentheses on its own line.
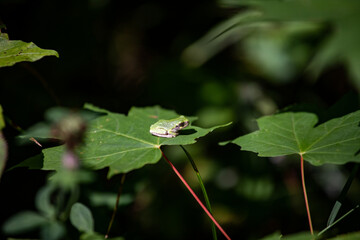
(169,128)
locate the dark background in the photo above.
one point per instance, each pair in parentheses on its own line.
(116,55)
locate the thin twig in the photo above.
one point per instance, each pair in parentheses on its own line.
(116,204)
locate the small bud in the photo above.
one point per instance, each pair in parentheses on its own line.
(71,129)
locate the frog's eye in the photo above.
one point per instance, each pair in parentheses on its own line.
(181,124)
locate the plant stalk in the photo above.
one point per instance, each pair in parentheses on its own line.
(305,195)
(207,201)
(116,204)
(196,197)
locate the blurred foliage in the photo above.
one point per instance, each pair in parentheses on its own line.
(279,37)
(264,56)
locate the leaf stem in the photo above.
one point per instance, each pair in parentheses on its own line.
(116,204)
(196,198)
(207,201)
(305,195)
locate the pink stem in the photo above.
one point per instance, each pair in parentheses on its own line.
(196,198)
(305,195)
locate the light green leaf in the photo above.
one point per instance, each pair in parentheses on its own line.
(124,143)
(23,222)
(335,141)
(14,51)
(81,218)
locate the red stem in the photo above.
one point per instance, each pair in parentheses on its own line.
(196,198)
(305,195)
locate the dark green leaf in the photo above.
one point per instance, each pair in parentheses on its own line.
(23,222)
(274,236)
(81,218)
(124,143)
(43,203)
(349,236)
(97,236)
(299,236)
(53,231)
(335,141)
(14,51)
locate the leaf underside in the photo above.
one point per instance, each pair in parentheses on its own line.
(335,141)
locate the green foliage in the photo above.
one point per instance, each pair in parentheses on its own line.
(43,204)
(97,236)
(14,51)
(299,236)
(278,41)
(123,143)
(52,230)
(267,28)
(335,141)
(81,218)
(349,236)
(23,222)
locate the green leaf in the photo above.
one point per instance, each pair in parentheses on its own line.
(97,236)
(124,143)
(14,51)
(43,201)
(23,222)
(296,236)
(349,236)
(81,218)
(274,236)
(299,236)
(53,231)
(335,141)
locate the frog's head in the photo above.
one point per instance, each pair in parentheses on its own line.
(182,122)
